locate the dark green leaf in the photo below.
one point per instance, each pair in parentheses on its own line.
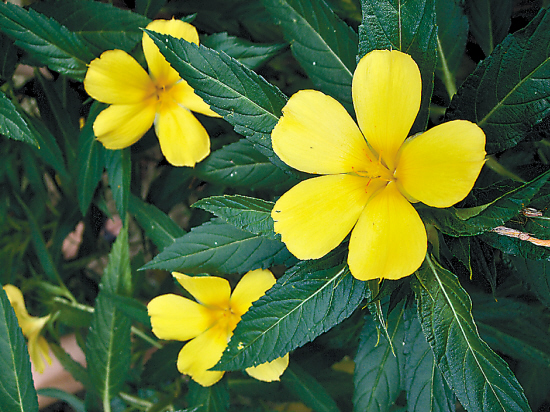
(246,100)
(158,226)
(489,21)
(247,213)
(250,54)
(508,92)
(536,273)
(161,367)
(131,307)
(149,8)
(408,26)
(208,399)
(217,247)
(324,45)
(46,40)
(310,299)
(117,277)
(12,124)
(8,59)
(76,370)
(480,379)
(308,389)
(17,392)
(426,389)
(239,164)
(535,381)
(119,169)
(516,247)
(61,395)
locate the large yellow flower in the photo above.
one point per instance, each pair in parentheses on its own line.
(372,172)
(31,326)
(138,100)
(210,322)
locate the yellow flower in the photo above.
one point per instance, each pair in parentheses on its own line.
(31,326)
(138,100)
(210,322)
(372,172)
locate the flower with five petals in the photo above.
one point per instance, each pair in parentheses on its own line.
(372,171)
(31,326)
(208,324)
(138,100)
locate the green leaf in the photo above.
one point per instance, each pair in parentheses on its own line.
(119,169)
(100,26)
(217,247)
(77,371)
(239,164)
(158,226)
(426,388)
(243,98)
(73,401)
(489,21)
(149,8)
(8,59)
(90,161)
(161,366)
(16,385)
(516,247)
(536,273)
(131,307)
(480,379)
(507,94)
(12,124)
(308,389)
(117,277)
(377,379)
(213,398)
(251,55)
(46,40)
(408,26)
(247,213)
(310,299)
(324,45)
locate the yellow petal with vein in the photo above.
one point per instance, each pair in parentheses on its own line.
(174,317)
(201,354)
(269,371)
(39,351)
(184,94)
(183,139)
(250,288)
(439,167)
(317,135)
(210,291)
(159,68)
(120,126)
(386,91)
(389,240)
(116,78)
(317,214)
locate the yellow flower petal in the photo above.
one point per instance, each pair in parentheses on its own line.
(38,352)
(159,68)
(389,240)
(186,97)
(17,301)
(210,291)
(183,139)
(201,354)
(317,214)
(269,371)
(440,166)
(386,91)
(317,135)
(116,78)
(177,318)
(120,126)
(250,288)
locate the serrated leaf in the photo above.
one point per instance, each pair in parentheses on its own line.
(243,98)
(324,45)
(12,124)
(158,226)
(217,247)
(247,213)
(308,389)
(239,164)
(377,378)
(251,55)
(17,391)
(508,93)
(408,26)
(537,276)
(310,299)
(117,277)
(480,379)
(426,389)
(489,21)
(77,371)
(46,40)
(213,398)
(119,169)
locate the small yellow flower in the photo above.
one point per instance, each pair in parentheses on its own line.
(138,100)
(31,326)
(372,172)
(209,324)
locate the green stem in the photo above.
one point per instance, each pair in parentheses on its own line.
(146,337)
(448,78)
(135,401)
(495,166)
